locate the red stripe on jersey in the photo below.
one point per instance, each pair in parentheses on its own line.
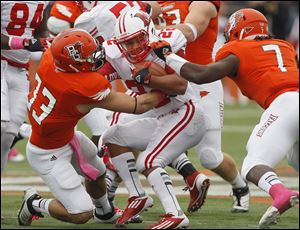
(16,64)
(171,135)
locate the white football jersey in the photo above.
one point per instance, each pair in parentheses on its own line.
(177,41)
(101,20)
(20,18)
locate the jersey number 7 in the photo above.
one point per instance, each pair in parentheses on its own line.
(278,55)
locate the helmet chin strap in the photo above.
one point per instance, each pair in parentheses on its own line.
(73,68)
(241,34)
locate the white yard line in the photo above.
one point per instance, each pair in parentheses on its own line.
(218,186)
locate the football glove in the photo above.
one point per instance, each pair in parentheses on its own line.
(161,49)
(143,75)
(37,44)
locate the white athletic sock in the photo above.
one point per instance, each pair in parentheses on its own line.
(162,186)
(111,184)
(102,205)
(238,182)
(41,205)
(268,180)
(125,164)
(180,162)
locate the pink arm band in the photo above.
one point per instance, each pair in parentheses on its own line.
(15,43)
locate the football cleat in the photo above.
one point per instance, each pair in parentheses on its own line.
(15,156)
(198,191)
(134,220)
(136,205)
(272,215)
(109,218)
(169,221)
(27,213)
(241,197)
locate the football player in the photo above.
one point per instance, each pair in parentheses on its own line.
(271,79)
(99,22)
(164,133)
(19,22)
(68,87)
(198,20)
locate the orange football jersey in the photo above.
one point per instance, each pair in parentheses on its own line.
(52,103)
(200,50)
(267,68)
(65,10)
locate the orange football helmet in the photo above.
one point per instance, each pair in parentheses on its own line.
(246,24)
(75,50)
(86,5)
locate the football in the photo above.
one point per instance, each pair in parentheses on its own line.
(155,69)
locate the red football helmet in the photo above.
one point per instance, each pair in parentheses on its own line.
(86,5)
(134,31)
(75,50)
(246,24)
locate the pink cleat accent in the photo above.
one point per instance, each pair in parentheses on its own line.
(283,199)
(15,156)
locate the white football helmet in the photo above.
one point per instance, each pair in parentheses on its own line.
(86,5)
(134,31)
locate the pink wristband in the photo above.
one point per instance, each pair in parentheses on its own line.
(16,43)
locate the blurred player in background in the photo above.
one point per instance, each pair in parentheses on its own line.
(272,80)
(64,13)
(198,20)
(20,21)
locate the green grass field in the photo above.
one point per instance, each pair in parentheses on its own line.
(215,214)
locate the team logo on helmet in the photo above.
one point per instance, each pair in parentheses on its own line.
(74,51)
(248,29)
(262,27)
(234,19)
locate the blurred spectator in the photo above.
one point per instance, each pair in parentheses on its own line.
(294,35)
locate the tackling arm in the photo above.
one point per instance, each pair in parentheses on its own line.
(121,102)
(170,84)
(201,74)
